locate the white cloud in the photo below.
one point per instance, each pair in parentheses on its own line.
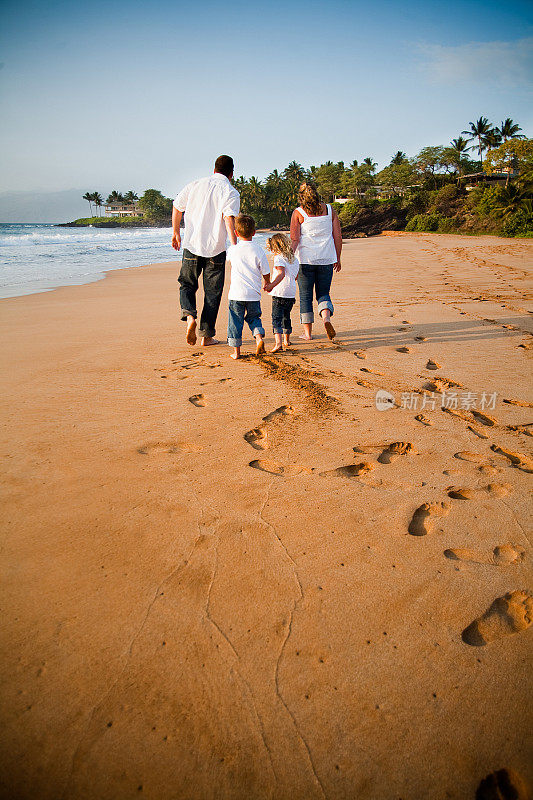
(500,63)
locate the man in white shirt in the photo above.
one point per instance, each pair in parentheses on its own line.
(210,206)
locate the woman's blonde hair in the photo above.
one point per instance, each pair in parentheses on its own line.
(279,243)
(309,200)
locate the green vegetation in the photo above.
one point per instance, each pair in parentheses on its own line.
(156,210)
(431,191)
(425,193)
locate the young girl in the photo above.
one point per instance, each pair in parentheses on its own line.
(283,288)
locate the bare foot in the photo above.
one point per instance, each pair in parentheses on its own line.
(191,332)
(330,330)
(276,348)
(207,340)
(234,356)
(305,338)
(260,349)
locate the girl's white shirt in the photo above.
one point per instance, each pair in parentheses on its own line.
(287,286)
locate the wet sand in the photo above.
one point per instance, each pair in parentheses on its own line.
(243,580)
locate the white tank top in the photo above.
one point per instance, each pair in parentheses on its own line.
(316,245)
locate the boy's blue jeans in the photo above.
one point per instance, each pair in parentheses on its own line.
(318,276)
(241,311)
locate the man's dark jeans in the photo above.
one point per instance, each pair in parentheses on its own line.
(213,279)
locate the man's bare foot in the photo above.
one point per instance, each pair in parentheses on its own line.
(207,340)
(330,330)
(305,338)
(260,349)
(276,348)
(191,331)
(235,356)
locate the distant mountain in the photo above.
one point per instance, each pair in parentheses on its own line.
(61,206)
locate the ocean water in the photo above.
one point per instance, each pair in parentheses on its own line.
(40,257)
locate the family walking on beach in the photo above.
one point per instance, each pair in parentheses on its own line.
(211,206)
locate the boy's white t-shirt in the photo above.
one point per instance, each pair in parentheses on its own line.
(248,264)
(286,287)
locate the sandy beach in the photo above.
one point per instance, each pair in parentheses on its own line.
(243,580)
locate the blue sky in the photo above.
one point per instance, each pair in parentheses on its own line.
(133,94)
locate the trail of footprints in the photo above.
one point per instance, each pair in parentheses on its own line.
(509,614)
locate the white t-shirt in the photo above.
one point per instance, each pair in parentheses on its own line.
(286,287)
(248,263)
(206,202)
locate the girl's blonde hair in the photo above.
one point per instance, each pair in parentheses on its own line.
(279,243)
(309,200)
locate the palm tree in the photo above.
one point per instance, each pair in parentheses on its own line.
(371,165)
(115,197)
(509,130)
(294,171)
(255,192)
(479,130)
(130,197)
(97,199)
(89,197)
(399,157)
(492,139)
(458,148)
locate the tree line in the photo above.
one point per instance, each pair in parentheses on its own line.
(152,202)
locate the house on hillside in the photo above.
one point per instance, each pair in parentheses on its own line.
(123,210)
(500,178)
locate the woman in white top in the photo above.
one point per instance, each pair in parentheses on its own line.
(317,241)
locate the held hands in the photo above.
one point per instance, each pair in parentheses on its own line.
(176,241)
(267,287)
(337,266)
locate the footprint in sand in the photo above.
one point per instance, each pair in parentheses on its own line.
(525,429)
(257,437)
(168,447)
(479,434)
(282,411)
(509,614)
(360,354)
(466,455)
(504,784)
(421,338)
(433,364)
(485,418)
(349,471)
(465,493)
(394,450)
(265,465)
(424,517)
(198,400)
(461,414)
(371,371)
(423,419)
(403,349)
(366,384)
(517,459)
(521,403)
(501,555)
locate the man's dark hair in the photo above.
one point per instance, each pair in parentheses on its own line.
(224,165)
(245,226)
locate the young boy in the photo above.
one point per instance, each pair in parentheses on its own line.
(249,268)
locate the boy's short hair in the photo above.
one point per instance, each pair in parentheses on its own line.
(245,226)
(224,165)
